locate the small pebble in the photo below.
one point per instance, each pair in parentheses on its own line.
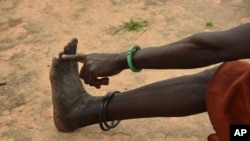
(3,83)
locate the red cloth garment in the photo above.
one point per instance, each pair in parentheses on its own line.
(228,98)
(213,137)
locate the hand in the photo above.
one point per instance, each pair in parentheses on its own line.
(97,67)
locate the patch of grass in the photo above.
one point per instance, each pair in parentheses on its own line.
(76,15)
(210,24)
(133,25)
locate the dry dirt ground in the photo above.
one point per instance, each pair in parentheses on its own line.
(33,32)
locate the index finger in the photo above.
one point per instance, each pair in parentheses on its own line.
(76,58)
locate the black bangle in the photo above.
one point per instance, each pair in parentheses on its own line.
(104,125)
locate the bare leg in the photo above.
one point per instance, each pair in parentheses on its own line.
(180,96)
(75,108)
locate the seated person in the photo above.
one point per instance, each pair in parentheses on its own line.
(222,91)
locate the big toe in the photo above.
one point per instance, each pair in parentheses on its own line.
(73,46)
(70,48)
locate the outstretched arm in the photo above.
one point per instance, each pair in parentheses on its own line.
(198,50)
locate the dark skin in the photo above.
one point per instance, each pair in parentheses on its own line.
(196,51)
(75,108)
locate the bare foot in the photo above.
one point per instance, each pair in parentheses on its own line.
(73,107)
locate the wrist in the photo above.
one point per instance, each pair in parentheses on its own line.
(130,54)
(121,60)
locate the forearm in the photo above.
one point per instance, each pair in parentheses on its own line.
(183,54)
(187,53)
(198,50)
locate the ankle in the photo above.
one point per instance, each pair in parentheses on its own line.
(104,125)
(83,112)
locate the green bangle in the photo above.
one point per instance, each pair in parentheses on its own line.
(131,50)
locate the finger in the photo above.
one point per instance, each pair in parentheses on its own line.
(92,80)
(81,75)
(76,58)
(99,82)
(102,81)
(98,87)
(88,77)
(85,74)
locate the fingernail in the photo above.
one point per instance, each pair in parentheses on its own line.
(63,56)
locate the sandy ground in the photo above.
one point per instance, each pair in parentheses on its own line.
(33,32)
